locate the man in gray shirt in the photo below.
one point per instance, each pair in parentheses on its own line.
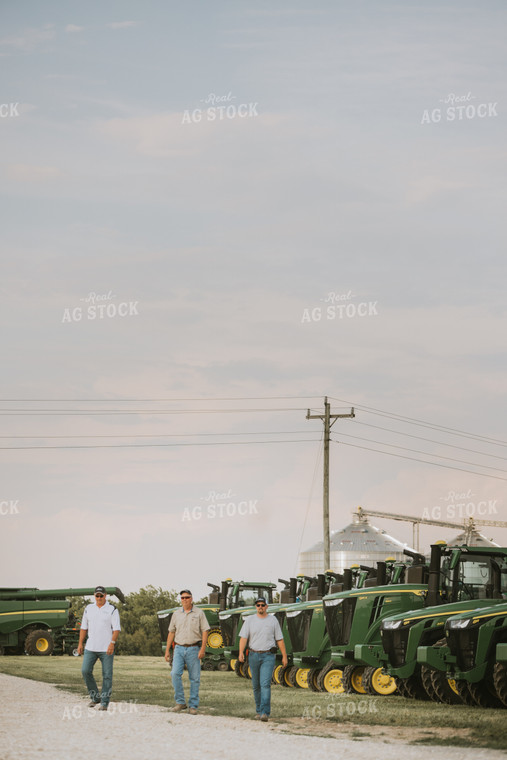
(262,633)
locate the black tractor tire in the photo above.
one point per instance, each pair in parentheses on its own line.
(464,692)
(484,694)
(437,685)
(500,681)
(283,675)
(223,666)
(371,685)
(352,679)
(312,679)
(245,669)
(412,687)
(293,677)
(39,643)
(207,664)
(401,688)
(2,650)
(237,669)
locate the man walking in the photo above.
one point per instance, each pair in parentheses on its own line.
(189,631)
(101,621)
(263,634)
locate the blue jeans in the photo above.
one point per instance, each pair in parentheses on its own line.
(89,660)
(262,665)
(188,656)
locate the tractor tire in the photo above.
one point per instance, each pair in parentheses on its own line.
(438,687)
(245,669)
(500,682)
(73,652)
(39,643)
(297,677)
(237,668)
(464,692)
(376,682)
(412,687)
(428,684)
(223,666)
(283,675)
(483,694)
(312,678)
(291,676)
(330,679)
(275,680)
(352,679)
(232,664)
(207,664)
(215,639)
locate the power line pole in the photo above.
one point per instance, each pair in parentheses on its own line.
(329,420)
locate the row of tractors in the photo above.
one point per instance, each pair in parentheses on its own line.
(432,629)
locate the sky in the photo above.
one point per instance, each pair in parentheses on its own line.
(215,215)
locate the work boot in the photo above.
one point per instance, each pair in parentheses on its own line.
(264,718)
(192,711)
(103,707)
(93,703)
(178,708)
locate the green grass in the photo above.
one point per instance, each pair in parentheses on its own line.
(147,680)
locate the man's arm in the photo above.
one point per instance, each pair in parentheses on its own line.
(170,639)
(82,632)
(242,647)
(114,639)
(202,650)
(281,647)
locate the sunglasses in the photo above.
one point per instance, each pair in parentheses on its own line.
(99,596)
(260,605)
(185,597)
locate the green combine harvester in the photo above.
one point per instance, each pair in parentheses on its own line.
(470,658)
(461,579)
(36,622)
(230,595)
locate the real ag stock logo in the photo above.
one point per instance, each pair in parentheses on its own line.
(220,505)
(459,108)
(100,306)
(219,108)
(340,306)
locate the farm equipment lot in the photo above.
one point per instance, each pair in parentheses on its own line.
(145,681)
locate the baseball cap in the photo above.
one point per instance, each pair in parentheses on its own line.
(185,591)
(260,599)
(99,590)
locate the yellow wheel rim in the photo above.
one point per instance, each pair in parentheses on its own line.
(333,681)
(233,664)
(382,683)
(452,684)
(249,672)
(215,640)
(276,674)
(286,677)
(302,677)
(356,680)
(42,645)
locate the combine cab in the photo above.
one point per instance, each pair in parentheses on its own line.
(36,621)
(231,595)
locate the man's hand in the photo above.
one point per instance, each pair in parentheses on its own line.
(80,648)
(110,649)
(168,654)
(202,652)
(241,657)
(285,661)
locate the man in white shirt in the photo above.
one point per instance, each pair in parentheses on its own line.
(263,634)
(101,621)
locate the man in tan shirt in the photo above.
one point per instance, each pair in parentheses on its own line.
(189,631)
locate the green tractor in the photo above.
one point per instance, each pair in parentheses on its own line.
(296,591)
(36,621)
(231,595)
(309,633)
(461,580)
(470,658)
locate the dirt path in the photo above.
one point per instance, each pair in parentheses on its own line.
(41,722)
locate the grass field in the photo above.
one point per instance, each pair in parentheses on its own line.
(147,680)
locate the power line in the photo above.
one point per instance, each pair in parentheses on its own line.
(153,445)
(423,461)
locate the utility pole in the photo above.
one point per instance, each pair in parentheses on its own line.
(329,420)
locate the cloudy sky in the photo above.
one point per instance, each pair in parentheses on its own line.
(215,215)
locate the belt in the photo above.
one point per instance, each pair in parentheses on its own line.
(197,644)
(260,651)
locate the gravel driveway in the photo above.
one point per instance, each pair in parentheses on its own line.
(40,721)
